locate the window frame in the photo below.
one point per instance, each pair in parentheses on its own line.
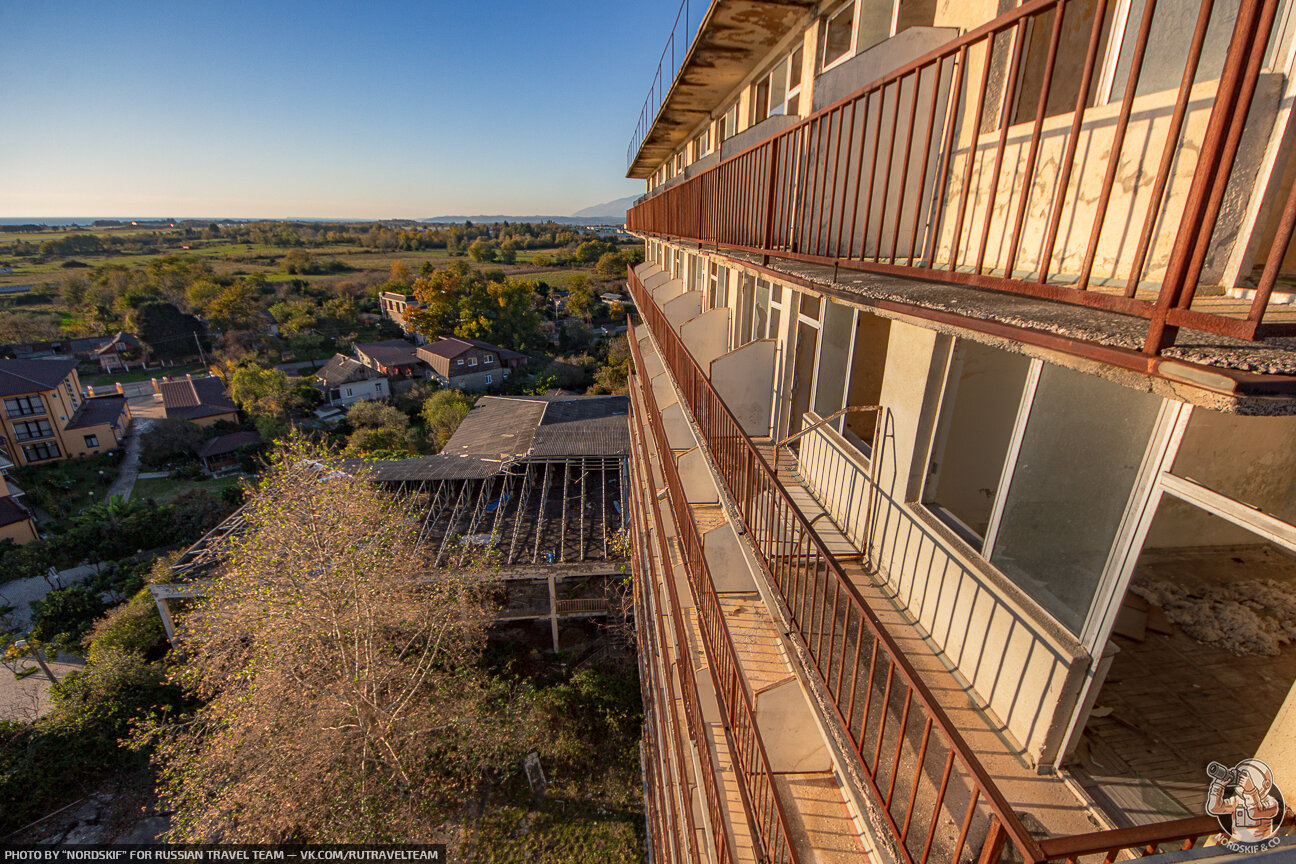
(824,63)
(91,440)
(1157,459)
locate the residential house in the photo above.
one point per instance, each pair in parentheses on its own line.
(16,522)
(964,406)
(344,380)
(391,357)
(118,352)
(469,364)
(203,401)
(46,417)
(221,452)
(394,306)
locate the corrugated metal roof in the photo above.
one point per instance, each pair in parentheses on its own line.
(584,426)
(438,467)
(497,426)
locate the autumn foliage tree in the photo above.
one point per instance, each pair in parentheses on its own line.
(343,701)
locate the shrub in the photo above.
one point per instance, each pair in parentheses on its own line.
(64,616)
(167,441)
(133,627)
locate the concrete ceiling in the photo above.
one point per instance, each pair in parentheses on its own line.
(734,37)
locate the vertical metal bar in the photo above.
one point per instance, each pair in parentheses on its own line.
(1046,87)
(1118,143)
(904,165)
(966,191)
(900,739)
(886,175)
(947,159)
(1170,149)
(859,175)
(917,778)
(1277,252)
(1005,116)
(1073,141)
(940,801)
(850,148)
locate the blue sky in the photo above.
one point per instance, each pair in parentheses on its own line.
(353,109)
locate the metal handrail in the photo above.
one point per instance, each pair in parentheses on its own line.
(849,409)
(678,354)
(732,694)
(1146,839)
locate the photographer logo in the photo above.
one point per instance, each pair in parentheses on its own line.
(1247,803)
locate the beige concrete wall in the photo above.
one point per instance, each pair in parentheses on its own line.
(682,307)
(19,532)
(76,445)
(707,335)
(744,378)
(1131,195)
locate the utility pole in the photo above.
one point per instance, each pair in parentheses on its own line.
(198,342)
(40,659)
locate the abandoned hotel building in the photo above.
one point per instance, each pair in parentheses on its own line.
(963,426)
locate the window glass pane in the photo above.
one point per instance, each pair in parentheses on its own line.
(837,40)
(810,306)
(774,324)
(794,71)
(746,292)
(830,381)
(1248,459)
(868,364)
(982,395)
(1080,455)
(760,312)
(778,88)
(1173,24)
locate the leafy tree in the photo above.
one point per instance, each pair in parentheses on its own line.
(65,615)
(342,695)
(168,333)
(591,250)
(380,429)
(613,375)
(443,411)
(483,251)
(237,307)
(581,299)
(168,440)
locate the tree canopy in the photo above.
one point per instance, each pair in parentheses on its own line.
(343,699)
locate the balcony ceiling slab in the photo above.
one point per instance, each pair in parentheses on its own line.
(734,36)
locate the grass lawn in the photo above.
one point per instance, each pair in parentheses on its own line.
(62,488)
(142,374)
(164,491)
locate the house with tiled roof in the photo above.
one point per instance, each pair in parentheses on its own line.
(469,364)
(344,380)
(390,357)
(46,417)
(199,400)
(16,522)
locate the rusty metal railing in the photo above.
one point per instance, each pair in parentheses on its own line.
(654,618)
(948,803)
(894,722)
(961,166)
(688,17)
(764,809)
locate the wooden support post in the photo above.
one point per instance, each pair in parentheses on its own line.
(553,607)
(519,514)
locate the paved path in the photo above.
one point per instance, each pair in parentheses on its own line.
(130,464)
(26,699)
(20,593)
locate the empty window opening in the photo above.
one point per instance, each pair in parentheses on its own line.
(1199,663)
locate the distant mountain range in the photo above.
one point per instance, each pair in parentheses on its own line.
(613,212)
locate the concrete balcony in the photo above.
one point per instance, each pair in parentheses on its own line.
(939,777)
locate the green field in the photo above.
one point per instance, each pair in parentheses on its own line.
(164,491)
